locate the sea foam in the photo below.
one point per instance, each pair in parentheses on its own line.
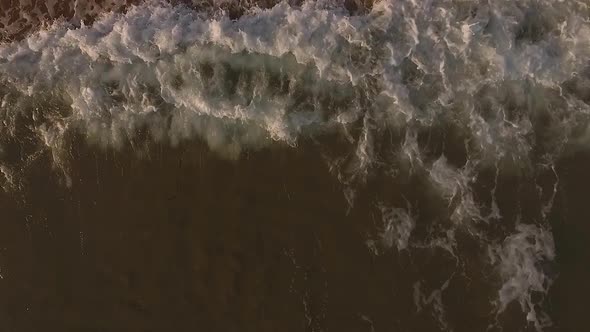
(506,81)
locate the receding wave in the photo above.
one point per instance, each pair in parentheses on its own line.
(447,102)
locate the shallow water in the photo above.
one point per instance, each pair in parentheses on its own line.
(392,166)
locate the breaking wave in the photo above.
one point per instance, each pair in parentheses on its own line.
(465,96)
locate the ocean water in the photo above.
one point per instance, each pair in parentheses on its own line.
(295,166)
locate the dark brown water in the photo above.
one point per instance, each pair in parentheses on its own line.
(182,240)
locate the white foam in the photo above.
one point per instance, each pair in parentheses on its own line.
(156,45)
(396,229)
(455,186)
(151,46)
(520,260)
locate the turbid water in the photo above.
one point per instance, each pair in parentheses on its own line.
(294,166)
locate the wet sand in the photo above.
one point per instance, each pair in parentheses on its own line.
(20,17)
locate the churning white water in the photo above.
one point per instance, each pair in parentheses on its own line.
(507,82)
